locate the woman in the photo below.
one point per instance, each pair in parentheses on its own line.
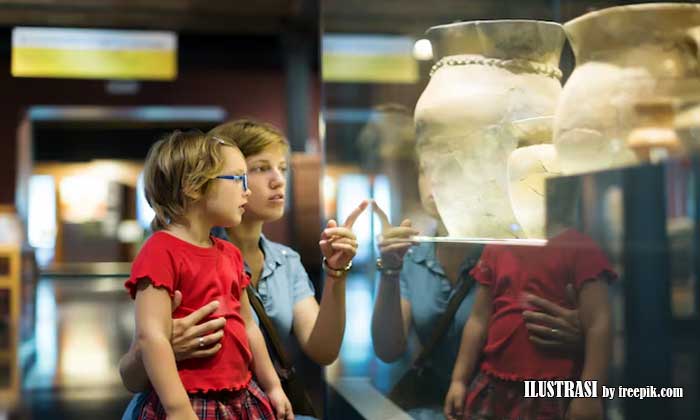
(277,275)
(417,282)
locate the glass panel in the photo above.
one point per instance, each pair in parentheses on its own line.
(515,157)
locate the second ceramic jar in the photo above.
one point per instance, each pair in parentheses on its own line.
(623,54)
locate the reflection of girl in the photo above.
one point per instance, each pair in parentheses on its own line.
(415,288)
(276,271)
(496,332)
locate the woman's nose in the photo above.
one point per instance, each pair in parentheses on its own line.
(278,178)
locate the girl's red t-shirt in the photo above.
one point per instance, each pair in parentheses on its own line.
(512,272)
(202,275)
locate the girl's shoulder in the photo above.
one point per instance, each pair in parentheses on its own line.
(159,243)
(159,237)
(162,242)
(227,248)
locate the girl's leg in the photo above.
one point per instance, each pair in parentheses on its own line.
(480,401)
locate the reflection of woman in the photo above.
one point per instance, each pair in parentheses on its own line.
(275,270)
(416,285)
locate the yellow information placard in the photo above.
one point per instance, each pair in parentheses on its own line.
(368,59)
(94,54)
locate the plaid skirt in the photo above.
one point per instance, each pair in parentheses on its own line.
(249,403)
(491,398)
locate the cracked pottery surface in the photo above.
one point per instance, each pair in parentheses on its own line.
(494,88)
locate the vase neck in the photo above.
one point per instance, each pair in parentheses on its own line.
(601,35)
(536,41)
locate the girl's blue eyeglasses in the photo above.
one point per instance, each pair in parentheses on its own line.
(243,178)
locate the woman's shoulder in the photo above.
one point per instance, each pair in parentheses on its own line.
(279,250)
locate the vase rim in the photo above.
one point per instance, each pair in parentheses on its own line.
(657,7)
(494,22)
(535,40)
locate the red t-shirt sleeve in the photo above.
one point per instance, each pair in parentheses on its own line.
(243,279)
(590,263)
(156,263)
(483,271)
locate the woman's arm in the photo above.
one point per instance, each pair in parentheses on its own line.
(262,366)
(391,317)
(473,339)
(153,324)
(132,370)
(184,341)
(319,329)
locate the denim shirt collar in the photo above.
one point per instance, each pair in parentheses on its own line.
(273,254)
(424,254)
(273,258)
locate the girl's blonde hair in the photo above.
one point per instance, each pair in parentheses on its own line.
(177,172)
(250,136)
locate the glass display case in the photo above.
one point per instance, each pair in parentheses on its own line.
(534,175)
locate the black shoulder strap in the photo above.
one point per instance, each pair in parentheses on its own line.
(269,328)
(445,320)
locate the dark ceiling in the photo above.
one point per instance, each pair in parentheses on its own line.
(192,16)
(413,17)
(269,17)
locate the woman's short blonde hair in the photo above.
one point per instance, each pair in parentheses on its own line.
(250,136)
(177,172)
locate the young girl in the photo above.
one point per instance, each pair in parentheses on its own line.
(507,277)
(194,182)
(277,274)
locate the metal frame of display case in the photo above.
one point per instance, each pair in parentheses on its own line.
(646,289)
(650,332)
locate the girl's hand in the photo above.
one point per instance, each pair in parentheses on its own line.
(280,403)
(187,332)
(339,244)
(585,409)
(554,327)
(393,242)
(454,401)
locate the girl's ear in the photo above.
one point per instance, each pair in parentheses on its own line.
(192,195)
